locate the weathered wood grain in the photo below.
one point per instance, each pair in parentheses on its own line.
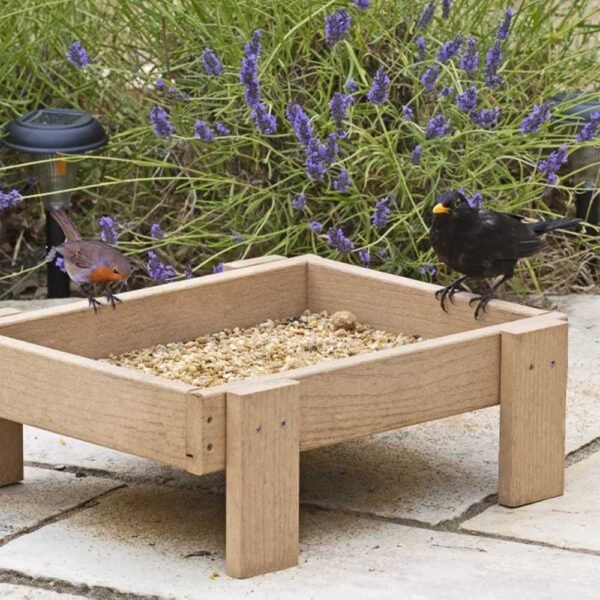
(168,313)
(11,452)
(263,478)
(398,304)
(532,411)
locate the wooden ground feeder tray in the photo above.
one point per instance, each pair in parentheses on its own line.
(514,356)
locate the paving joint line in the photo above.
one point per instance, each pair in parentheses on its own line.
(65,514)
(62,586)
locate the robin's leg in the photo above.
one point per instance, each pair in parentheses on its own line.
(483,300)
(110,297)
(449,291)
(86,288)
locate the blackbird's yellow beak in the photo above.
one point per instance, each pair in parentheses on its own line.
(440,209)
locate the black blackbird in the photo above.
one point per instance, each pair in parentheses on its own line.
(482,243)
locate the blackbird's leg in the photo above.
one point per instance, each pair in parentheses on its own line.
(485,298)
(449,291)
(87,290)
(110,297)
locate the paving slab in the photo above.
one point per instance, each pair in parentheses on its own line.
(44,494)
(170,542)
(21,592)
(569,521)
(429,473)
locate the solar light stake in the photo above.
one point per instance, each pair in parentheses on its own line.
(48,135)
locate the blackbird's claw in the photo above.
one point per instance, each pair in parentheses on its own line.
(482,301)
(448,292)
(110,297)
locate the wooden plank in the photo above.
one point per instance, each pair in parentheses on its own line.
(532,412)
(251,262)
(397,303)
(263,478)
(11,452)
(168,313)
(8,312)
(93,401)
(370,393)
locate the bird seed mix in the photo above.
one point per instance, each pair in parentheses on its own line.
(270,347)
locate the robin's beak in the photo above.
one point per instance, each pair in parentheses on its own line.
(440,209)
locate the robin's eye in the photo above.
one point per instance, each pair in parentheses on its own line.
(115,270)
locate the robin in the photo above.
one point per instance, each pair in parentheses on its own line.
(89,262)
(483,243)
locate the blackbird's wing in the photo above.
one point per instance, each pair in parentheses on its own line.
(506,237)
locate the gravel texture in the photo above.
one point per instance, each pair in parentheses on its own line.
(270,347)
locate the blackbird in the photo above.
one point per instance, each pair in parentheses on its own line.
(482,243)
(89,261)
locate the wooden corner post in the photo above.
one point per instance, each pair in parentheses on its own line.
(533,384)
(263,478)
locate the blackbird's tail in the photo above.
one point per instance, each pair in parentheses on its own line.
(544,226)
(70,231)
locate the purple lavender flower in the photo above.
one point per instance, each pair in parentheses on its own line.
(158,270)
(219,268)
(222,129)
(590,130)
(408,113)
(265,122)
(331,148)
(364,257)
(338,107)
(467,101)
(174,93)
(300,123)
(299,202)
(249,70)
(338,240)
(315,227)
(10,198)
(437,127)
(59,261)
(426,16)
(380,216)
(428,269)
(237,237)
(203,131)
(446,91)
(421,49)
(534,120)
(551,166)
(108,229)
(319,156)
(337,25)
(351,85)
(486,118)
(446,9)
(450,49)
(415,157)
(156,232)
(475,200)
(189,272)
(494,58)
(77,55)
(504,27)
(429,78)
(343,181)
(159,118)
(362,4)
(211,63)
(469,61)
(379,89)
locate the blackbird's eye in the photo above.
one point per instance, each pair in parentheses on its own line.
(115,270)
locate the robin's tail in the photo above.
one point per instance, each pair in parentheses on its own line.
(70,231)
(544,226)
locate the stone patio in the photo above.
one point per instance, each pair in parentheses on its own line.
(407,514)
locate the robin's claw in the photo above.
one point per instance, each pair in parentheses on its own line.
(112,299)
(94,303)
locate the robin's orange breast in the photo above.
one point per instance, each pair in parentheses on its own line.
(104,274)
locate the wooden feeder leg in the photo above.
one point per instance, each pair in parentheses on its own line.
(263,478)
(533,385)
(11,452)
